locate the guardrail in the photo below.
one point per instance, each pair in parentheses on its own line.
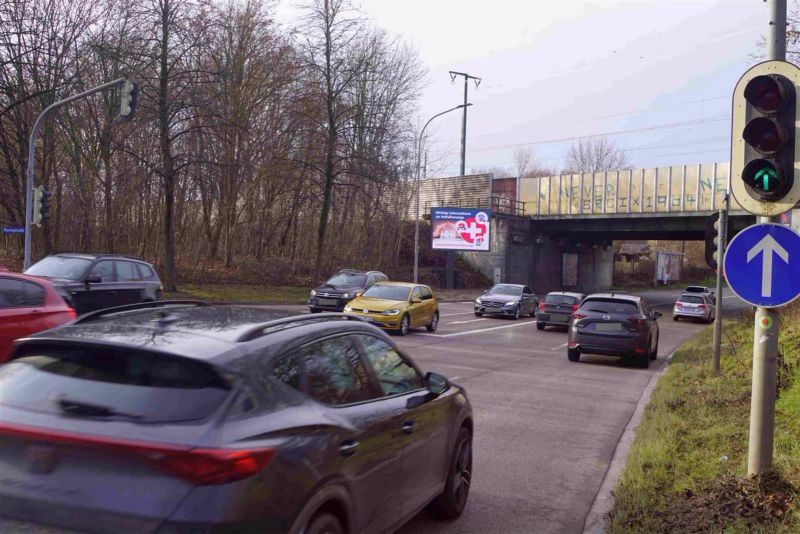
(498,205)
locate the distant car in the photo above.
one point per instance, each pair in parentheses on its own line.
(557,308)
(90,282)
(28,305)
(397,306)
(510,300)
(704,290)
(694,306)
(341,288)
(614,325)
(167,417)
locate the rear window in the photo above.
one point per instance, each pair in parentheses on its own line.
(691,299)
(114,384)
(695,289)
(612,306)
(560,299)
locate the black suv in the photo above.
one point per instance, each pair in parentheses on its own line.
(91,282)
(183,417)
(341,288)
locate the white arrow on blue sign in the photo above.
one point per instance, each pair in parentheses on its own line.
(762,265)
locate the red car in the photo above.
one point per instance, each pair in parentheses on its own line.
(28,305)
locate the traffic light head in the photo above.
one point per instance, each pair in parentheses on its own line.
(712,240)
(36,218)
(46,203)
(127,98)
(764,159)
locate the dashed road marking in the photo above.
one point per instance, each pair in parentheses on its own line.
(478,331)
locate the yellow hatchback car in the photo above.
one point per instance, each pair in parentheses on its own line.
(397,306)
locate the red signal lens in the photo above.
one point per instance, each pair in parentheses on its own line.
(765,93)
(765,135)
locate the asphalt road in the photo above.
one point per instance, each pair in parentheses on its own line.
(545,428)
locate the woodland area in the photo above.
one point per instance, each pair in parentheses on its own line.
(251,142)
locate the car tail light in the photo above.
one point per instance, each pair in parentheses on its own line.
(201,467)
(575,307)
(577,315)
(638,321)
(72,314)
(701,306)
(541,306)
(639,350)
(572,344)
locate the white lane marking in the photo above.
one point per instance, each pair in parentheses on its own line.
(455,334)
(468,321)
(559,347)
(455,314)
(730,297)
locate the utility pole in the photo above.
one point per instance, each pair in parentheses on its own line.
(767,320)
(450,258)
(721,240)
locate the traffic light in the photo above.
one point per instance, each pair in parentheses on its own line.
(764,152)
(37,206)
(127,98)
(46,203)
(713,236)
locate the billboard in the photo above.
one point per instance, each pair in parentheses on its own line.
(460,229)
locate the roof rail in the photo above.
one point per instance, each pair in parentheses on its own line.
(262,329)
(139,306)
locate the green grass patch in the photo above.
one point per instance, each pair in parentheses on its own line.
(246,294)
(686,471)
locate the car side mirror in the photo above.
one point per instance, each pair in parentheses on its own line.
(657,315)
(415,300)
(436,383)
(94,279)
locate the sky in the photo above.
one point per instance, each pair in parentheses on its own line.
(655,76)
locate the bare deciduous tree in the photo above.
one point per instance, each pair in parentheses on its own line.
(595,154)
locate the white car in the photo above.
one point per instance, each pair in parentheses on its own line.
(704,290)
(694,306)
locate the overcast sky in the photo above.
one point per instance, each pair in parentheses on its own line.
(661,71)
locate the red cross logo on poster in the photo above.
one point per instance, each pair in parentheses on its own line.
(472,228)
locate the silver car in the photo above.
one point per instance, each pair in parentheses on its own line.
(614,325)
(694,306)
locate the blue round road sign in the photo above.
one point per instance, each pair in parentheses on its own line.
(762,265)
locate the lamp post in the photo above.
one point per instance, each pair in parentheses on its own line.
(416,186)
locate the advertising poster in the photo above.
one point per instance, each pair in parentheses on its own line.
(460,229)
(668,267)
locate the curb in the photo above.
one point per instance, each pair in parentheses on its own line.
(597,519)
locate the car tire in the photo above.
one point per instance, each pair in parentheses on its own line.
(540,326)
(478,314)
(573,355)
(324,524)
(452,501)
(675,318)
(517,312)
(405,323)
(434,323)
(642,360)
(654,354)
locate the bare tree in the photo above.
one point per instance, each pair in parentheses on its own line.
(526,164)
(595,154)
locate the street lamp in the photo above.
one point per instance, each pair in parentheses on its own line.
(416,186)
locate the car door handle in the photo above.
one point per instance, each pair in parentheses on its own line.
(348,448)
(408,427)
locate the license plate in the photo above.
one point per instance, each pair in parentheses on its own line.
(606,327)
(327,302)
(560,318)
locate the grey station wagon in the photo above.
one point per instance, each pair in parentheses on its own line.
(182,417)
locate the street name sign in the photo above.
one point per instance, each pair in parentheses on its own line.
(13,229)
(762,265)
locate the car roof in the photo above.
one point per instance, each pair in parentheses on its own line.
(507,284)
(357,271)
(217,333)
(399,284)
(617,296)
(566,293)
(91,256)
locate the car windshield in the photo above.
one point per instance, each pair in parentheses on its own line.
(691,299)
(506,289)
(64,267)
(560,299)
(379,291)
(129,384)
(347,279)
(612,306)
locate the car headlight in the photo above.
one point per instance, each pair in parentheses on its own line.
(511,303)
(391,312)
(313,293)
(477,300)
(345,295)
(348,308)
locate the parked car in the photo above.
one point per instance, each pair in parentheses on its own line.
(341,288)
(397,306)
(190,418)
(704,290)
(614,325)
(694,306)
(511,300)
(28,305)
(557,309)
(89,282)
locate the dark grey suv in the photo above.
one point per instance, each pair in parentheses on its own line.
(180,417)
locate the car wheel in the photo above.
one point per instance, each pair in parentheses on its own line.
(675,318)
(540,326)
(404,324)
(324,524)
(643,360)
(434,323)
(478,314)
(654,354)
(315,310)
(573,355)
(517,312)
(452,501)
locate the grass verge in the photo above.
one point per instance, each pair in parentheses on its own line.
(243,294)
(686,471)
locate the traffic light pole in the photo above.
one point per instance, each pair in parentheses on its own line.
(767,320)
(722,239)
(32,154)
